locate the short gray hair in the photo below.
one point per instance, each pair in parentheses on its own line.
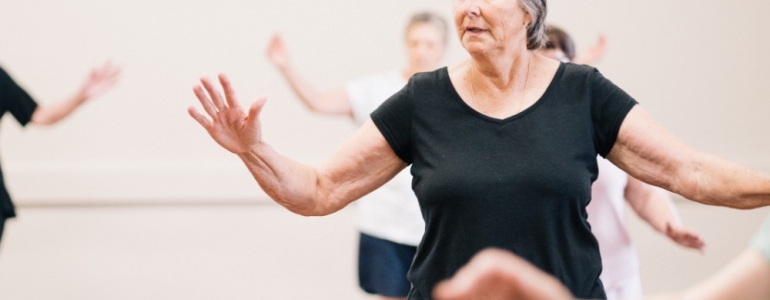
(537,9)
(429,18)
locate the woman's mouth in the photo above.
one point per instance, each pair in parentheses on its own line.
(472,29)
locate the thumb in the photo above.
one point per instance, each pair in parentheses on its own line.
(255,110)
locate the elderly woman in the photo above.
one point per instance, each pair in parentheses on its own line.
(15,100)
(502,148)
(389,218)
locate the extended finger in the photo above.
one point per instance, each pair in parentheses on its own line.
(229,91)
(205,122)
(205,101)
(216,96)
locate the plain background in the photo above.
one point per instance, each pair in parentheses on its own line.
(131,199)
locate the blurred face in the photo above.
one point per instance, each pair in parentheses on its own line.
(488,25)
(555,53)
(425,47)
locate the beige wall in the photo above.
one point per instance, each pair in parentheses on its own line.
(264,252)
(697,66)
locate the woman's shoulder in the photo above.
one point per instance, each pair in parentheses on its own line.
(430,77)
(429,81)
(576,70)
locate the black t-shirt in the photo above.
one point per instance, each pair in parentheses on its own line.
(15,100)
(520,184)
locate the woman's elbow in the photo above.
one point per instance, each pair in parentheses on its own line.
(315,208)
(311,212)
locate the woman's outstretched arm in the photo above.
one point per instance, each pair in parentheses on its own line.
(99,81)
(333,102)
(649,152)
(362,164)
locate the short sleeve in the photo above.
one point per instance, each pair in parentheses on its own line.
(358,95)
(761,240)
(394,120)
(15,100)
(609,107)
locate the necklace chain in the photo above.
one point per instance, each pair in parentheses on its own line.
(473,86)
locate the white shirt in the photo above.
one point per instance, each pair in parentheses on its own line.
(607,216)
(391,212)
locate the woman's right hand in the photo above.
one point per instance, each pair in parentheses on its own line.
(277,53)
(228,125)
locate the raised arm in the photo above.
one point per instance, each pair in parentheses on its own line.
(647,151)
(99,81)
(655,207)
(361,165)
(593,54)
(335,102)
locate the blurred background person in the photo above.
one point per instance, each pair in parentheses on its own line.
(19,103)
(389,219)
(607,209)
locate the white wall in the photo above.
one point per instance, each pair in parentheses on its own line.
(138,143)
(264,252)
(698,66)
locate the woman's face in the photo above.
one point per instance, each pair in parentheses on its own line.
(425,46)
(488,25)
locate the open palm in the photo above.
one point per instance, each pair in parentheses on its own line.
(227,123)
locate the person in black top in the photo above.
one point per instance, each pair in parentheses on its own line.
(15,100)
(502,148)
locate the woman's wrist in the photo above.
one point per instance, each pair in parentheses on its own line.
(81,97)
(255,151)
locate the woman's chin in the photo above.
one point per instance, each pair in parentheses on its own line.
(476,49)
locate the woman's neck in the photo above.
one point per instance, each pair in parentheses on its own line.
(505,72)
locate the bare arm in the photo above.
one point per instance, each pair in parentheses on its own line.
(655,206)
(497,274)
(361,165)
(647,151)
(593,54)
(335,102)
(746,277)
(98,81)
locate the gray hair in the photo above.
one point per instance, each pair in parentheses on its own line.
(429,18)
(537,9)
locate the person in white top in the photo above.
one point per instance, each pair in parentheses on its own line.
(611,190)
(389,218)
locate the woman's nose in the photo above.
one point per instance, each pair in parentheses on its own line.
(471,8)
